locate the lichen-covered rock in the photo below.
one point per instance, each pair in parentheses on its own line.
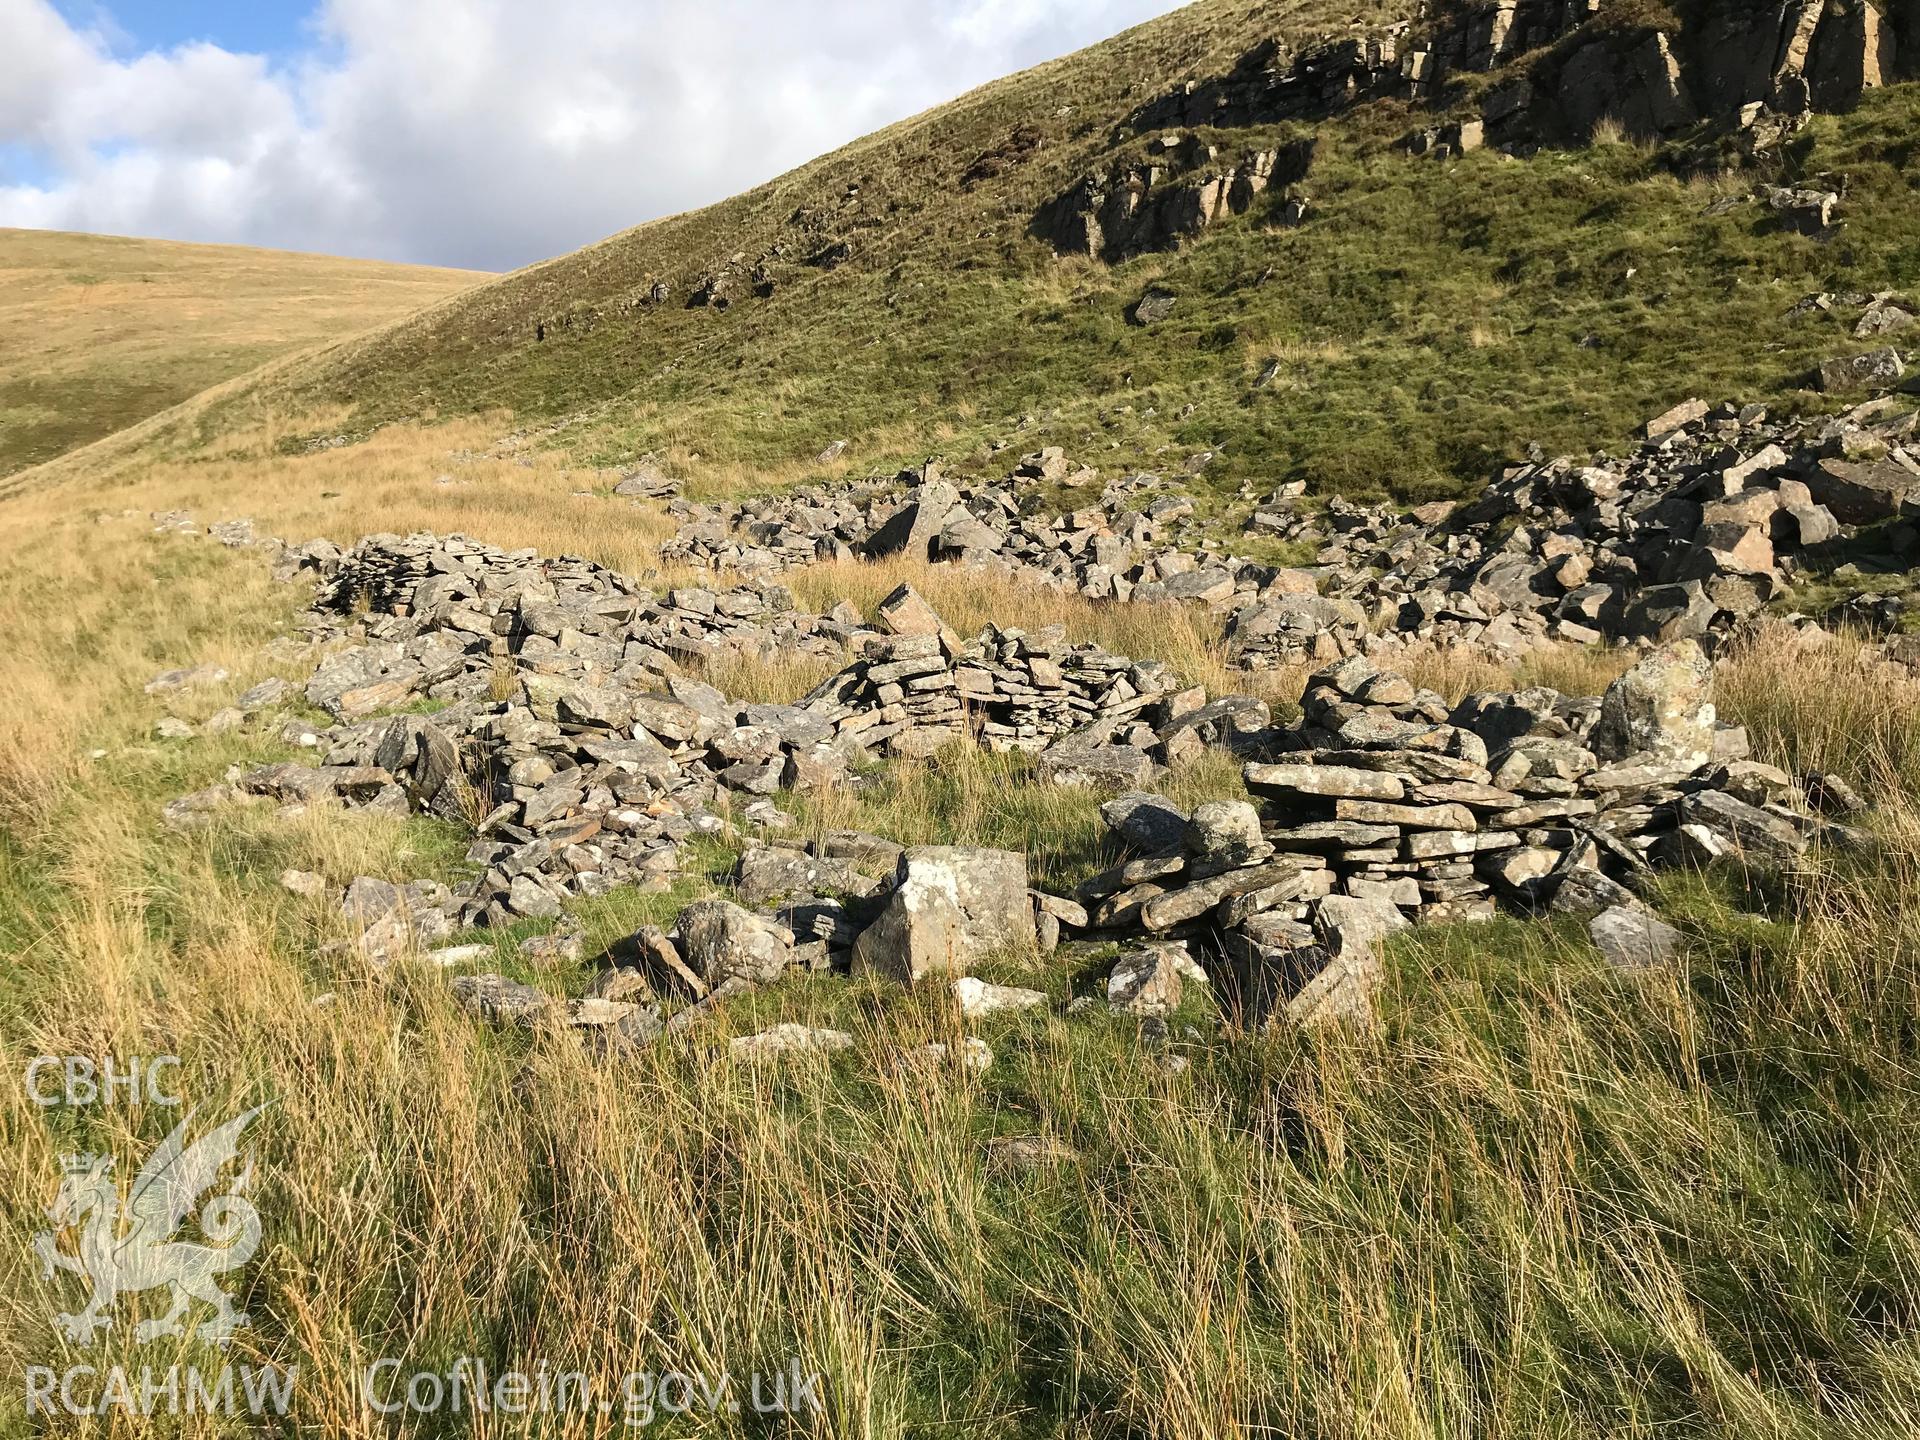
(1147,981)
(722,942)
(977,999)
(788,1038)
(951,906)
(1662,707)
(1631,939)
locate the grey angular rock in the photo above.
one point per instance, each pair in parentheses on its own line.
(1749,829)
(1153,307)
(1225,832)
(1351,927)
(1176,907)
(501,1001)
(1848,372)
(723,942)
(1149,823)
(951,906)
(1632,939)
(977,999)
(774,872)
(1662,707)
(1583,890)
(1146,981)
(1096,767)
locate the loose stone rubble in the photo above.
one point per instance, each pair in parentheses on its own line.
(582,756)
(572,742)
(1720,508)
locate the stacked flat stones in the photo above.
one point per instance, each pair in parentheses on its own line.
(1010,689)
(1382,806)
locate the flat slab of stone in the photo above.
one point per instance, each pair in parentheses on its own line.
(1335,782)
(1411,817)
(1334,835)
(978,999)
(788,1038)
(1633,939)
(1193,901)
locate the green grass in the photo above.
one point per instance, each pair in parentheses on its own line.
(1542,1200)
(1430,319)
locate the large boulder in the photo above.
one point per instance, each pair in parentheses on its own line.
(1848,372)
(1631,939)
(1860,494)
(1663,706)
(1670,612)
(723,942)
(951,906)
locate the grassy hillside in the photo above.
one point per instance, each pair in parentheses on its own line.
(1427,319)
(1546,1199)
(97,331)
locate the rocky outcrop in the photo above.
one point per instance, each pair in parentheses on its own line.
(1741,65)
(1171,196)
(1753,69)
(1275,82)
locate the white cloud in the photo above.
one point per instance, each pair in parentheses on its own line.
(484,132)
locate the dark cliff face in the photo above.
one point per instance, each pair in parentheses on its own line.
(1749,69)
(1719,60)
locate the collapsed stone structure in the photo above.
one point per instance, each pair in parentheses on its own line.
(571,738)
(1379,806)
(1687,537)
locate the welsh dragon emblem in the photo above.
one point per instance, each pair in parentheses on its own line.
(127,1245)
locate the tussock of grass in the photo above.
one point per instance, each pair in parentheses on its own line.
(1546,1200)
(1814,703)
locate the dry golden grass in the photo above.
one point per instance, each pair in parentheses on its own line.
(1817,702)
(1544,1202)
(98,331)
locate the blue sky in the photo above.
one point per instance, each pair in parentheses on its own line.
(266,27)
(481,133)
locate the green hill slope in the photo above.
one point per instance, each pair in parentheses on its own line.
(1427,317)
